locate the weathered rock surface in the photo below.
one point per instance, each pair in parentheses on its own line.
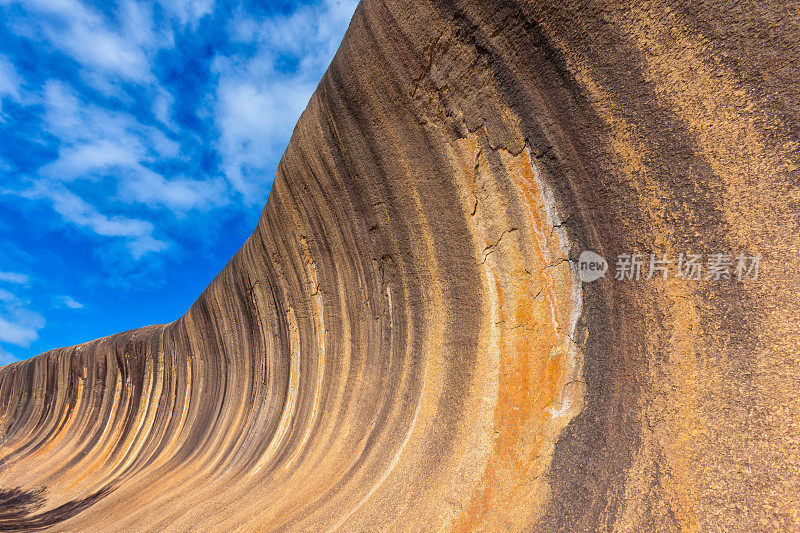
(403,343)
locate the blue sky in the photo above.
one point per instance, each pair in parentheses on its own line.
(138,143)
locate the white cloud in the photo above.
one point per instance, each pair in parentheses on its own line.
(311,32)
(258,102)
(97,142)
(7,297)
(178,194)
(144,245)
(76,123)
(256,123)
(138,233)
(18,325)
(79,212)
(255,105)
(10,82)
(14,277)
(188,11)
(119,48)
(162,106)
(85,159)
(6,358)
(17,334)
(71,302)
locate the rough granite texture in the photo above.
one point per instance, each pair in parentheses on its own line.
(403,343)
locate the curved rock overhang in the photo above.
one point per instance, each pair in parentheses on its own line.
(404,343)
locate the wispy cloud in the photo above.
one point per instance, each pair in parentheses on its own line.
(117,47)
(179,194)
(255,119)
(10,80)
(6,357)
(10,83)
(137,232)
(71,302)
(14,277)
(260,96)
(139,132)
(188,12)
(94,139)
(17,333)
(18,325)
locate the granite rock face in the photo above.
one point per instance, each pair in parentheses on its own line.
(404,344)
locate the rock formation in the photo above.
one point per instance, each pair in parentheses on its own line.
(404,344)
